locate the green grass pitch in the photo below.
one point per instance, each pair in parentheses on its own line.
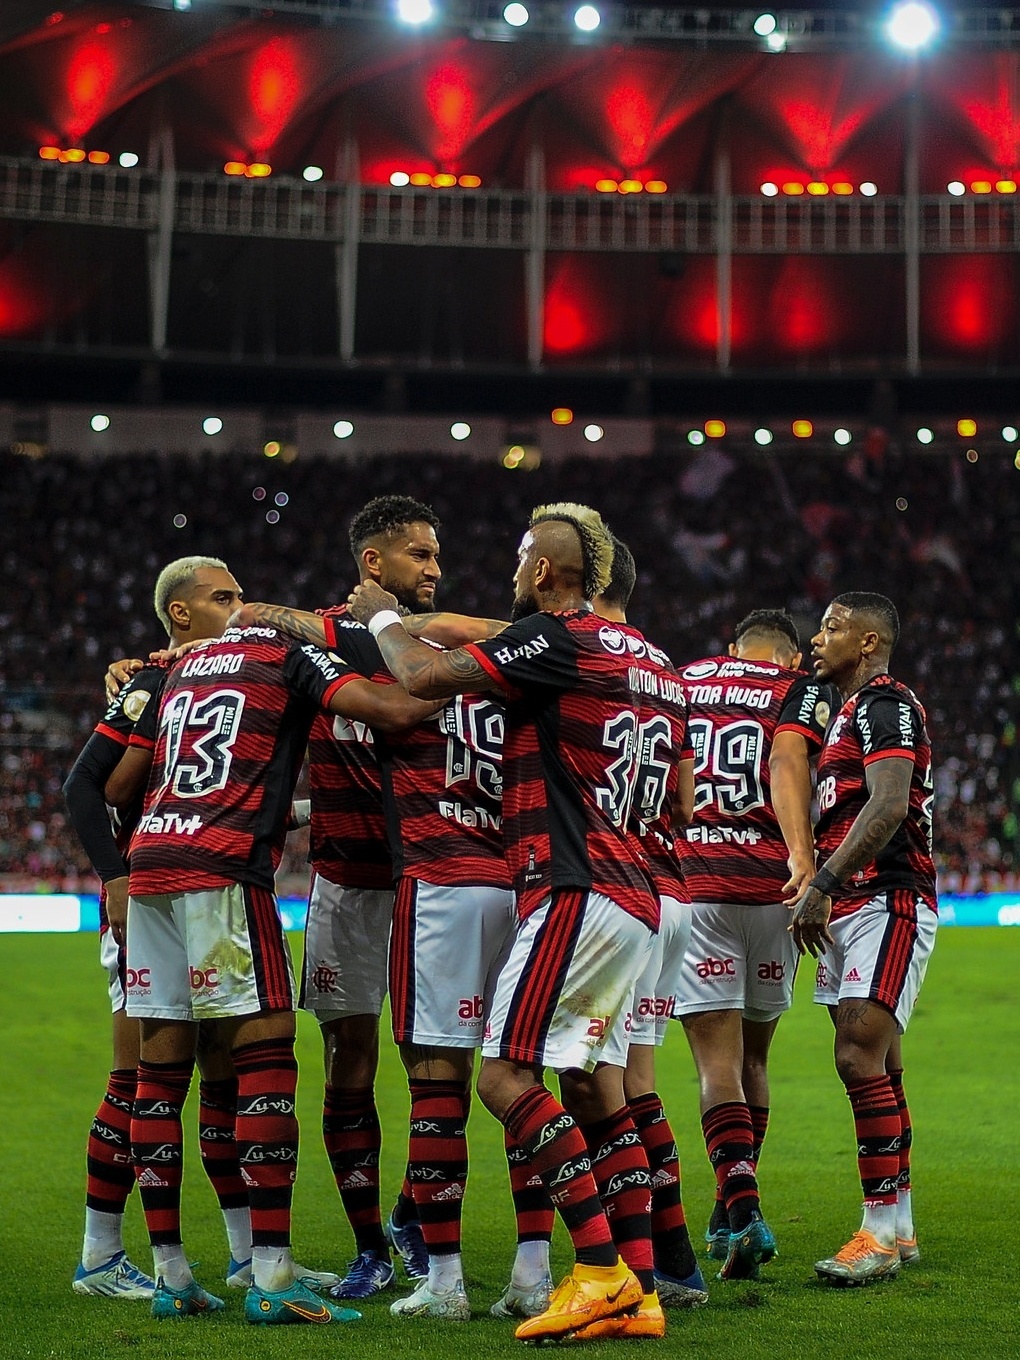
(961,1300)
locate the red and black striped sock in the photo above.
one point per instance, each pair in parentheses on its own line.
(624,1184)
(877,1124)
(671,1242)
(217,1143)
(438,1162)
(108,1158)
(532,1205)
(729,1138)
(906,1129)
(405,1210)
(539,1123)
(267,1135)
(157,1146)
(353,1139)
(760,1126)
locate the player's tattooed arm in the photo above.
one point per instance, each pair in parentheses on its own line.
(452,630)
(874,826)
(298,623)
(423,672)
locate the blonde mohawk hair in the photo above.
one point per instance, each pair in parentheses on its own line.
(596,541)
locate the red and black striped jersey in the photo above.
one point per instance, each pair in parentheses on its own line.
(347,841)
(883,719)
(663,741)
(733,850)
(578,690)
(233,724)
(136,704)
(443,790)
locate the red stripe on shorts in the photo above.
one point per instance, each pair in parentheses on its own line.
(537,995)
(897,949)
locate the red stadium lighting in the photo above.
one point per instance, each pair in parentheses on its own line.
(444,181)
(842,187)
(73,156)
(656,186)
(99,158)
(981,186)
(562,415)
(967,429)
(803,429)
(715,429)
(49,153)
(818,188)
(631,186)
(606,186)
(470,182)
(259,170)
(1005,186)
(421,180)
(234,168)
(793,188)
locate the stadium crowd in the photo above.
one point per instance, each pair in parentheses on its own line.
(716,533)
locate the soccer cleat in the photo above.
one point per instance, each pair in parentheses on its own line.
(910,1252)
(239,1276)
(296,1303)
(117,1279)
(368,1274)
(648,1320)
(747,1250)
(528,1302)
(718,1243)
(861,1261)
(452,1305)
(409,1244)
(191,1301)
(686,1293)
(583,1297)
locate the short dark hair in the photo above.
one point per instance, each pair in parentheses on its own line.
(768,624)
(385,515)
(880,607)
(623,576)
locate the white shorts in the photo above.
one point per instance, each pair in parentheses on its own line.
(881,952)
(346,940)
(741,958)
(112,958)
(446,948)
(207,955)
(658,988)
(561,999)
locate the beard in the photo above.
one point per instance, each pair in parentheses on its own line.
(408,601)
(522,608)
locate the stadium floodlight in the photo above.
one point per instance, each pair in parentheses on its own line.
(100,423)
(343,429)
(593,433)
(460,429)
(587,18)
(842,437)
(1009,433)
(182,5)
(924,435)
(400,179)
(912,25)
(312,173)
(128,159)
(868,189)
(695,437)
(763,437)
(212,425)
(768,189)
(516,15)
(956,187)
(414,11)
(764,25)
(776,42)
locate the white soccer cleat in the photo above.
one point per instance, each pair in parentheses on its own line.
(516,1302)
(451,1305)
(118,1278)
(862,1261)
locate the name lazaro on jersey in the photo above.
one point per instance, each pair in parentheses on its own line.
(233,725)
(577,690)
(733,850)
(883,719)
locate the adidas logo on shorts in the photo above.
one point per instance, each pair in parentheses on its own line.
(852,976)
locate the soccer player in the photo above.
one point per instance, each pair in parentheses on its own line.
(663,805)
(755,719)
(205,939)
(586,904)
(871,911)
(194,597)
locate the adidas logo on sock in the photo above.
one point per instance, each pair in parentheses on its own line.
(454,1191)
(663,1177)
(357,1180)
(150,1178)
(852,976)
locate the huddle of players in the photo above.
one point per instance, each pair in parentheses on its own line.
(603,743)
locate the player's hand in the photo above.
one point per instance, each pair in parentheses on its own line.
(244,616)
(117,907)
(809,925)
(171,654)
(369,599)
(802,871)
(118,673)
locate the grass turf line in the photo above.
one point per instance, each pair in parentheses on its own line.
(961,1084)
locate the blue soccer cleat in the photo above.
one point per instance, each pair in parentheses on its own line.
(118,1278)
(296,1303)
(748,1249)
(191,1301)
(409,1244)
(368,1274)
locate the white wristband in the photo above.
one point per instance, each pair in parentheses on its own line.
(382,620)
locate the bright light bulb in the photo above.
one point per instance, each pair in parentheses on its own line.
(842,436)
(312,173)
(460,429)
(1009,433)
(924,435)
(593,433)
(763,437)
(695,437)
(212,425)
(100,423)
(399,179)
(868,189)
(516,15)
(769,189)
(764,25)
(128,159)
(343,429)
(587,18)
(912,25)
(414,11)
(956,188)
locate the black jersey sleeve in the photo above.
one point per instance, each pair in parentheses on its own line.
(315,674)
(806,709)
(887,725)
(536,651)
(83,791)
